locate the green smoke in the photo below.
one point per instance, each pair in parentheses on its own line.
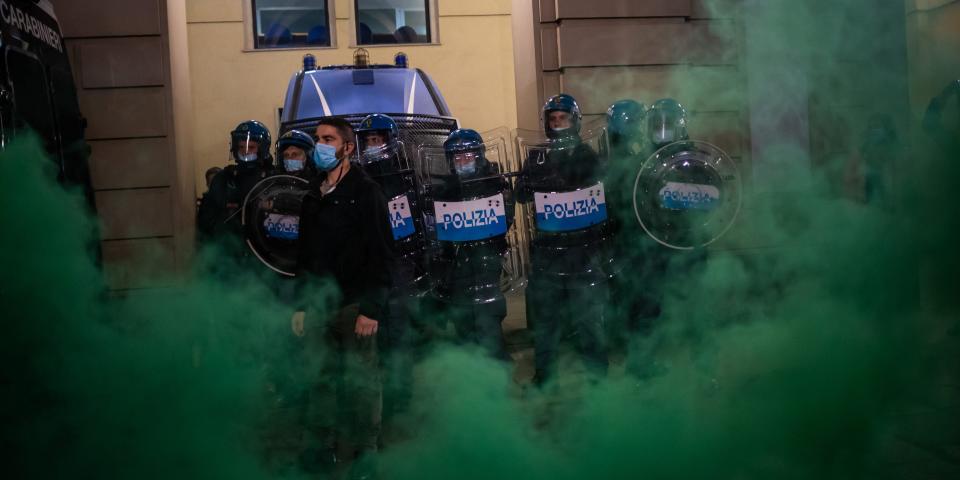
(815,341)
(156,385)
(818,341)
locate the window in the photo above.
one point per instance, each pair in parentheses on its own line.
(393,21)
(291,23)
(31,97)
(72,145)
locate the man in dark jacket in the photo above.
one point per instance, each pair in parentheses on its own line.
(345,240)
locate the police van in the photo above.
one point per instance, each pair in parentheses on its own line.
(37,91)
(407,95)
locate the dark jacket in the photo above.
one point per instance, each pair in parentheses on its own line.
(559,170)
(346,235)
(573,253)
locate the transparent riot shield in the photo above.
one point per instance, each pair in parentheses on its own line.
(271,221)
(687,194)
(469,215)
(499,143)
(389,166)
(593,134)
(561,187)
(385,158)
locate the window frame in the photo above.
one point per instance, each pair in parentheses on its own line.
(432,22)
(250,30)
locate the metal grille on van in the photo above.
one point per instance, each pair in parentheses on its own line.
(416,130)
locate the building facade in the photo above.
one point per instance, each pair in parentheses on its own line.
(162,82)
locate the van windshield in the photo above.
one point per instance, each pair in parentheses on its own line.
(348,92)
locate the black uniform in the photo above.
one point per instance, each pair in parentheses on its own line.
(218,218)
(568,285)
(640,259)
(467,274)
(933,123)
(345,237)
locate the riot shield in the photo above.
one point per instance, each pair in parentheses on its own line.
(271,221)
(469,214)
(566,215)
(388,165)
(687,194)
(593,134)
(499,149)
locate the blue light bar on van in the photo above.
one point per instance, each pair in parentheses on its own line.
(309,63)
(400,60)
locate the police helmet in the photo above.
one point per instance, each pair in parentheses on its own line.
(625,119)
(383,125)
(468,144)
(251,131)
(299,139)
(562,103)
(666,122)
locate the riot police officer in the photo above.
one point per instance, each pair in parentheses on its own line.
(933,122)
(627,152)
(473,208)
(271,217)
(567,284)
(687,195)
(382,157)
(869,174)
(272,209)
(635,253)
(295,153)
(218,217)
(625,126)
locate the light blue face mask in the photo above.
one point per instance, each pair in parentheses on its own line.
(292,165)
(252,157)
(467,169)
(325,157)
(372,150)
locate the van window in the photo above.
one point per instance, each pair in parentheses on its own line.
(65,107)
(30,96)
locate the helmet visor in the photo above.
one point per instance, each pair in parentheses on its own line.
(247,149)
(465,163)
(663,127)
